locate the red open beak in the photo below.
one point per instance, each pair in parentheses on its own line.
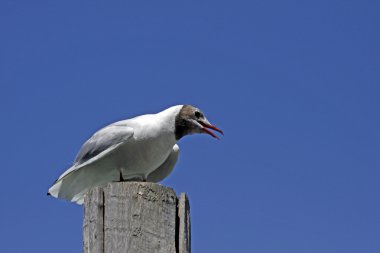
(206,128)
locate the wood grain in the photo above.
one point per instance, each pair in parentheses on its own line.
(136,217)
(93,224)
(184,244)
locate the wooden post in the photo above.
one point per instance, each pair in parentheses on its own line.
(136,217)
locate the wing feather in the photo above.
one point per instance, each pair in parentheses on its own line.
(102,140)
(90,158)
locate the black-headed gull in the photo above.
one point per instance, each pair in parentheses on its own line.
(142,148)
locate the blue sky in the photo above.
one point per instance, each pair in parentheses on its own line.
(295,86)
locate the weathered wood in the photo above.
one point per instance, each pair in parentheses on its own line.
(136,217)
(93,222)
(184,244)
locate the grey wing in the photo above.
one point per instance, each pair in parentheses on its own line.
(166,168)
(89,169)
(100,144)
(103,140)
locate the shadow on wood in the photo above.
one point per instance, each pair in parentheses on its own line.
(136,217)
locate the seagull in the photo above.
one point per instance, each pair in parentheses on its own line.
(143,148)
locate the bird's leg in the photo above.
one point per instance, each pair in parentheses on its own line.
(140,178)
(121,179)
(136,178)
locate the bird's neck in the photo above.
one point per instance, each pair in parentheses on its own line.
(168,117)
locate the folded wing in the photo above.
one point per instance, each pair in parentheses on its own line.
(90,168)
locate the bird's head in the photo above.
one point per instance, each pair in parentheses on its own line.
(191,120)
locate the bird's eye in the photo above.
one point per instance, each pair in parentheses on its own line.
(198,114)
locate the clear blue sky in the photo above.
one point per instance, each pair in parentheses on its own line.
(295,86)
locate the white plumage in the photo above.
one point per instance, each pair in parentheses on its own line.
(142,148)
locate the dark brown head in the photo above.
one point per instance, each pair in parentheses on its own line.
(191,120)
